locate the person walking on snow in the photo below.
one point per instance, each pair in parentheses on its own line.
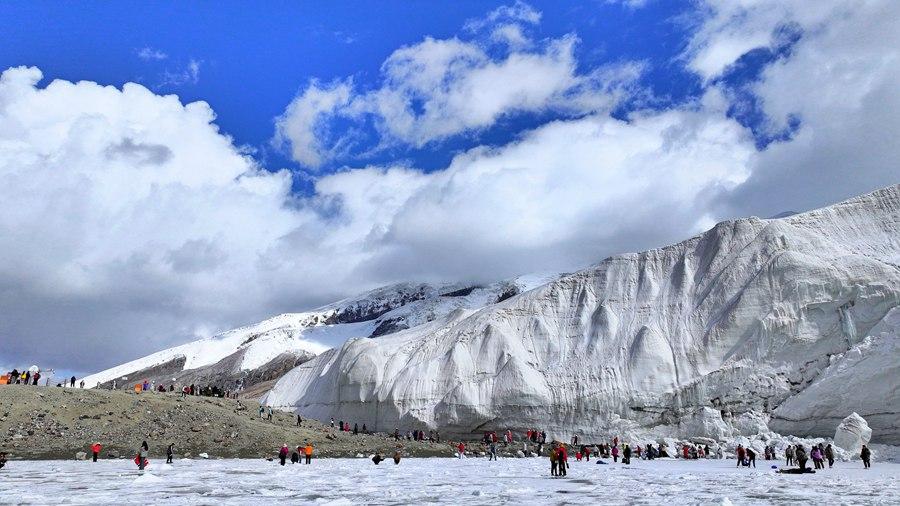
(170,452)
(866,455)
(741,453)
(829,454)
(615,453)
(751,457)
(789,455)
(554,458)
(626,454)
(800,455)
(493,450)
(461,447)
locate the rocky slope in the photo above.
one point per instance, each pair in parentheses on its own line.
(788,321)
(56,423)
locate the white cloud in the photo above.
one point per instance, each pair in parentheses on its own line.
(440,88)
(841,80)
(149,53)
(190,74)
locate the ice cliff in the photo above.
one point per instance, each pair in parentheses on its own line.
(791,322)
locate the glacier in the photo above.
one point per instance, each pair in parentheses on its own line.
(785,324)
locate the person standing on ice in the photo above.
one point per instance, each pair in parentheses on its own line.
(170,452)
(751,457)
(95,450)
(143,452)
(789,455)
(461,448)
(866,455)
(493,451)
(800,455)
(283,453)
(829,454)
(562,459)
(308,451)
(615,451)
(741,453)
(626,454)
(554,457)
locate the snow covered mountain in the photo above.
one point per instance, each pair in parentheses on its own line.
(791,322)
(263,352)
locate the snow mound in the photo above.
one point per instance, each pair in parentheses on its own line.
(852,433)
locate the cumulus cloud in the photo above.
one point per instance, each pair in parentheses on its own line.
(128,222)
(839,81)
(439,88)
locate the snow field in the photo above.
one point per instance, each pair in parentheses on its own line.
(441,481)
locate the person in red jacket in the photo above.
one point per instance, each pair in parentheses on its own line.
(562,459)
(95,450)
(462,449)
(741,453)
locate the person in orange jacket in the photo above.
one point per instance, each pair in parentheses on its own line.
(95,450)
(308,451)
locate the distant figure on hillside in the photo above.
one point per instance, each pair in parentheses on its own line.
(95,450)
(283,453)
(72,382)
(170,452)
(866,455)
(262,412)
(355,429)
(299,420)
(269,414)
(332,422)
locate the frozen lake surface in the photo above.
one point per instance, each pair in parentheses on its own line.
(447,481)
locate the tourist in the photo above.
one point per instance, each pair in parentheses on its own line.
(751,457)
(95,450)
(377,458)
(816,455)
(800,455)
(262,412)
(299,420)
(789,456)
(355,428)
(269,414)
(283,453)
(308,451)
(615,451)
(170,452)
(626,454)
(554,455)
(332,422)
(493,451)
(142,455)
(72,382)
(829,454)
(866,455)
(397,456)
(741,454)
(461,448)
(562,460)
(295,456)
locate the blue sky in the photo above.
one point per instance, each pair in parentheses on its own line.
(253,61)
(278,158)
